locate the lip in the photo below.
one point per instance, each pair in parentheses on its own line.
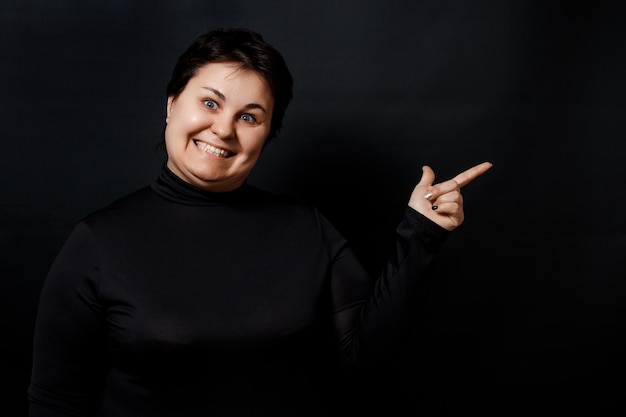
(213,150)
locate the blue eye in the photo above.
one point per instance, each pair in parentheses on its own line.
(246,117)
(211,104)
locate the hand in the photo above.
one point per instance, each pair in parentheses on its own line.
(443,202)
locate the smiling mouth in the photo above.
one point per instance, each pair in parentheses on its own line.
(220,153)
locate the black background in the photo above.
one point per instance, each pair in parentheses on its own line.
(526,315)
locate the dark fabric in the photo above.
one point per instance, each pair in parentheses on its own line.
(174,301)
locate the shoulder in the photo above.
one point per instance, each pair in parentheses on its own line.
(284,209)
(129,204)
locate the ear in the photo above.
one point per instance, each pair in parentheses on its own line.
(168,110)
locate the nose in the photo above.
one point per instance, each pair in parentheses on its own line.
(223,125)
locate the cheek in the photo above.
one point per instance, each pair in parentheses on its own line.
(255,145)
(184,119)
(194,120)
(176,136)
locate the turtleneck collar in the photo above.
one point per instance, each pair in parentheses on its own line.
(169,186)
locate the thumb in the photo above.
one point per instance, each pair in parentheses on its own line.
(417,200)
(428,177)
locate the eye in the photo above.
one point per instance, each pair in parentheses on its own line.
(248,118)
(211,104)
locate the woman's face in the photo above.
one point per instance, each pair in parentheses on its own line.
(217,126)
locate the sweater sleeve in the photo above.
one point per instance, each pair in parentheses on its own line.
(68,368)
(369,319)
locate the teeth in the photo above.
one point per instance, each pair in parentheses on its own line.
(221,153)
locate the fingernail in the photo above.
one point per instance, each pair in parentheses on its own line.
(435,207)
(427,196)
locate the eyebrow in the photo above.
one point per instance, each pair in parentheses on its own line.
(223,97)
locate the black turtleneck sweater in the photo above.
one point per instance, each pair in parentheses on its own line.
(173,301)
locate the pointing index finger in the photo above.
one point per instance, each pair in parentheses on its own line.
(471,174)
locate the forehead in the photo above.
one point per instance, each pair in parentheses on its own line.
(229,76)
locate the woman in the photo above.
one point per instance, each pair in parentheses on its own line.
(202,295)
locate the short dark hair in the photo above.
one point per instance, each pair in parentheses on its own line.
(251,52)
